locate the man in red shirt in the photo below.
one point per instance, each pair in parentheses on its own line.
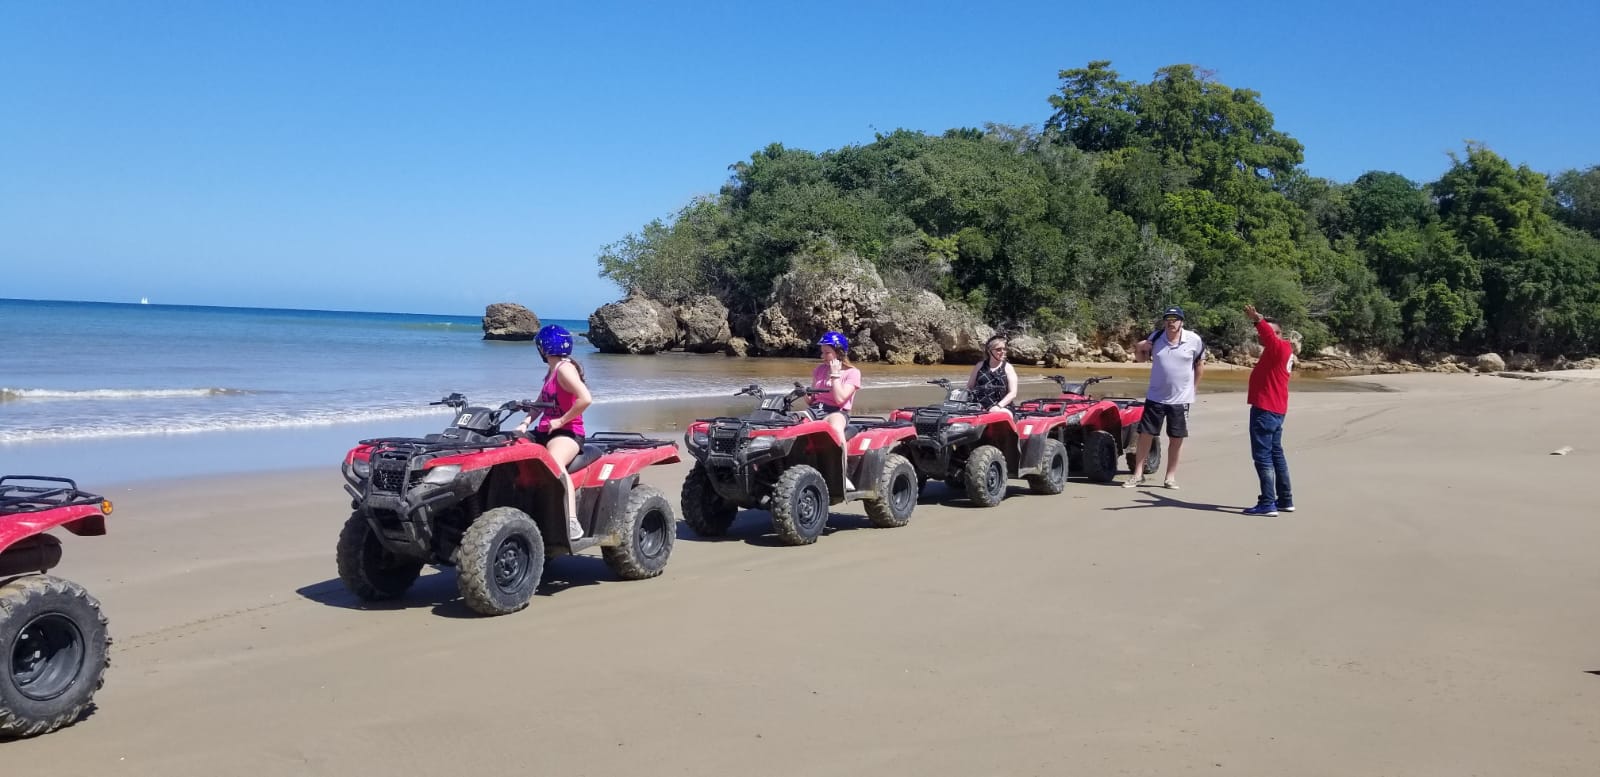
(1269,403)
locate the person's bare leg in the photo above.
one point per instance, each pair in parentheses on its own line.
(1174,445)
(1143,452)
(564,450)
(838,421)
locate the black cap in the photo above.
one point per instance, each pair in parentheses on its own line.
(1173,311)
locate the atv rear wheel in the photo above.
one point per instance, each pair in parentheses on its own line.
(1152,463)
(985,476)
(1100,456)
(1053,478)
(56,648)
(647,529)
(500,561)
(370,571)
(897,489)
(800,505)
(706,512)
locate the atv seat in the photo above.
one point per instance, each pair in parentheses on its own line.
(586,457)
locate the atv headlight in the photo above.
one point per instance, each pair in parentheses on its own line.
(442,474)
(362,468)
(962,428)
(760,444)
(699,440)
(1075,418)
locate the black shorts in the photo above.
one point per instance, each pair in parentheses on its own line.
(821,411)
(1175,416)
(543,438)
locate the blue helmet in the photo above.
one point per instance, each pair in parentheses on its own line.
(837,341)
(554,341)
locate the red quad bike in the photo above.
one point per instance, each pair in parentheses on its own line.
(794,464)
(1098,432)
(491,503)
(53,636)
(976,450)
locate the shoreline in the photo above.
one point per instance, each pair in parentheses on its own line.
(127,460)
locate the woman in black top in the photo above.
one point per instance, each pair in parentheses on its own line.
(993,381)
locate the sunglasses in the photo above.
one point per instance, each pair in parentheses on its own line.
(1173,318)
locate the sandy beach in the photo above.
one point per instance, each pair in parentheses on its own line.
(1431,609)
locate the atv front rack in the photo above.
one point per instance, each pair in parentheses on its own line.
(18,498)
(434,446)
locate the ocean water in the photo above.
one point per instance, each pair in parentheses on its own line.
(113,393)
(119,391)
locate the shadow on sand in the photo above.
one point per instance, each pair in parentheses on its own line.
(437,590)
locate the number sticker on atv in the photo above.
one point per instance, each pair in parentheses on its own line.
(866,442)
(462,421)
(605,472)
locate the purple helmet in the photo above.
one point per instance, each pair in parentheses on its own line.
(554,341)
(837,341)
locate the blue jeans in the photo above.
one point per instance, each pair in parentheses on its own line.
(1266,448)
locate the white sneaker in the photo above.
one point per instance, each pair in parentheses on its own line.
(1133,482)
(848,486)
(1172,484)
(574,530)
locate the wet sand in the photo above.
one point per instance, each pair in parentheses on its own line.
(1430,610)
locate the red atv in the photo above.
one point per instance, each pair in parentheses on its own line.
(976,450)
(52,633)
(491,503)
(795,465)
(1098,432)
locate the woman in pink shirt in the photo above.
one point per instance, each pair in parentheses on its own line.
(560,430)
(838,378)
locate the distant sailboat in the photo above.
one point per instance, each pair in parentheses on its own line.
(144,300)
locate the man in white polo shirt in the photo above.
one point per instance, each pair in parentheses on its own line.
(1177,359)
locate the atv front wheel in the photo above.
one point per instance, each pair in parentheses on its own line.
(1100,456)
(985,476)
(800,505)
(648,529)
(897,494)
(56,648)
(500,561)
(1152,463)
(1053,478)
(703,508)
(372,573)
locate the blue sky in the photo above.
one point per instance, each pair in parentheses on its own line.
(434,157)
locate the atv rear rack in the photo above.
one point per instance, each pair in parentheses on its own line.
(17,498)
(625,440)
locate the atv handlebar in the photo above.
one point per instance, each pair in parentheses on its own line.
(453,399)
(1078,388)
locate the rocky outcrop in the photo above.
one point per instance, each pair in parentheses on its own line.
(840,293)
(1063,348)
(736,346)
(509,321)
(634,325)
(904,333)
(1026,349)
(1490,362)
(961,335)
(702,324)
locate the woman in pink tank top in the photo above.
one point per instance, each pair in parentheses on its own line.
(560,430)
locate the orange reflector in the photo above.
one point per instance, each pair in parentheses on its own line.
(105,507)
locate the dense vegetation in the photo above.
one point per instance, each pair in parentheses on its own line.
(1133,196)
